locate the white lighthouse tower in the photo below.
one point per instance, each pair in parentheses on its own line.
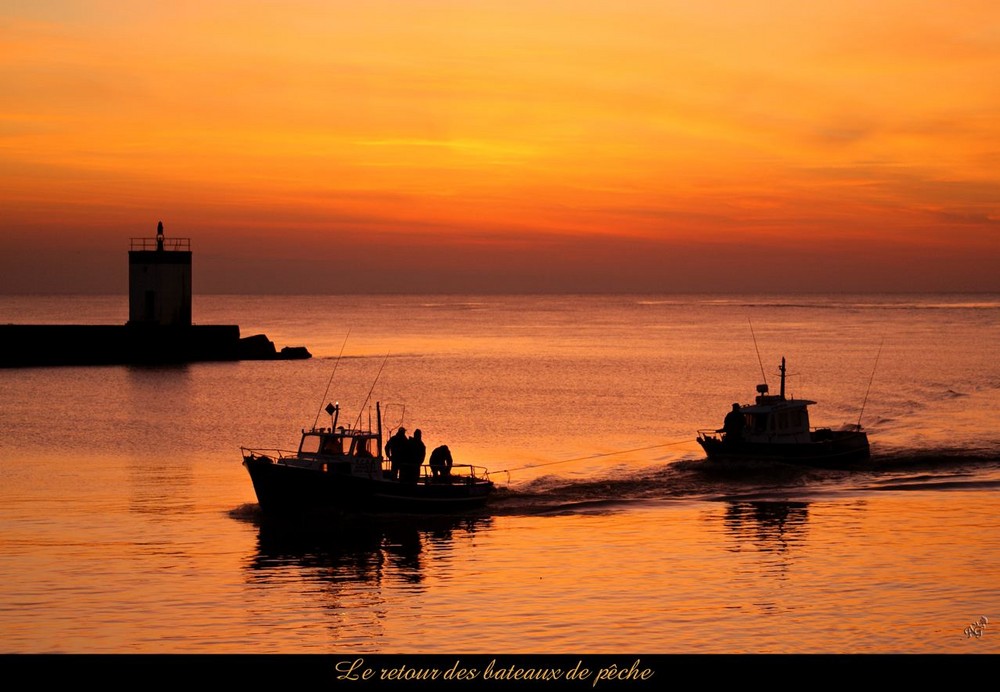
(159,281)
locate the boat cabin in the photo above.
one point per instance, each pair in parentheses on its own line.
(351,452)
(340,442)
(775,419)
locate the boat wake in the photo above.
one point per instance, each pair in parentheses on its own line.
(759,481)
(699,480)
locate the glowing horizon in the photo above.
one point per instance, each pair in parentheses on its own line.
(507,140)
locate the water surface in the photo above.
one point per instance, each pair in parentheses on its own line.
(129,525)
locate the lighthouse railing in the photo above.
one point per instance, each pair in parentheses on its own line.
(174,244)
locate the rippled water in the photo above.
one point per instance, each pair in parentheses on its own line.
(129,525)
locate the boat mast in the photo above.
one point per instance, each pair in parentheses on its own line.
(334,411)
(378,423)
(782,378)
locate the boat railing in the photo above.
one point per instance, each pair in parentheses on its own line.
(458,473)
(846,427)
(475,472)
(275,454)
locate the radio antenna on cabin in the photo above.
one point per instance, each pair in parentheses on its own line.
(331,379)
(759,361)
(870,380)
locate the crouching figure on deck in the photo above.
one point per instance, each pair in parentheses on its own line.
(441,463)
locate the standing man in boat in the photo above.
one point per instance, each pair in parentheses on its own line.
(733,425)
(395,450)
(416,450)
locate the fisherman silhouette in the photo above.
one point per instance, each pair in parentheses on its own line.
(441,463)
(733,425)
(395,449)
(416,450)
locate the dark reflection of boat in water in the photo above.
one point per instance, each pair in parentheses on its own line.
(771,526)
(768,536)
(775,428)
(355,548)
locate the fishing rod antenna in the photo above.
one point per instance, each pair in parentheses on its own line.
(330,381)
(870,380)
(368,398)
(759,361)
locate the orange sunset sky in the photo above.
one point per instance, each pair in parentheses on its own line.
(504,145)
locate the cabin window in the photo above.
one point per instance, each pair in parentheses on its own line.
(333,445)
(310,444)
(782,421)
(760,423)
(363,447)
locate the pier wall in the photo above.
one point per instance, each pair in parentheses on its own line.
(25,345)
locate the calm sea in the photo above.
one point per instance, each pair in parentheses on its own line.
(130,526)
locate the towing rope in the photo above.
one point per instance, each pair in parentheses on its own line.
(596,456)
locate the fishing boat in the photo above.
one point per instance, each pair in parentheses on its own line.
(340,469)
(777,428)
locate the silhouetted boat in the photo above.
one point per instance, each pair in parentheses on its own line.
(342,469)
(776,428)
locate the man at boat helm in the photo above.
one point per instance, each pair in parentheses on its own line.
(733,424)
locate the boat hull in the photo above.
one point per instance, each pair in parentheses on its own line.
(825,448)
(285,488)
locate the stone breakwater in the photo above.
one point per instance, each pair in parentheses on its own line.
(41,345)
